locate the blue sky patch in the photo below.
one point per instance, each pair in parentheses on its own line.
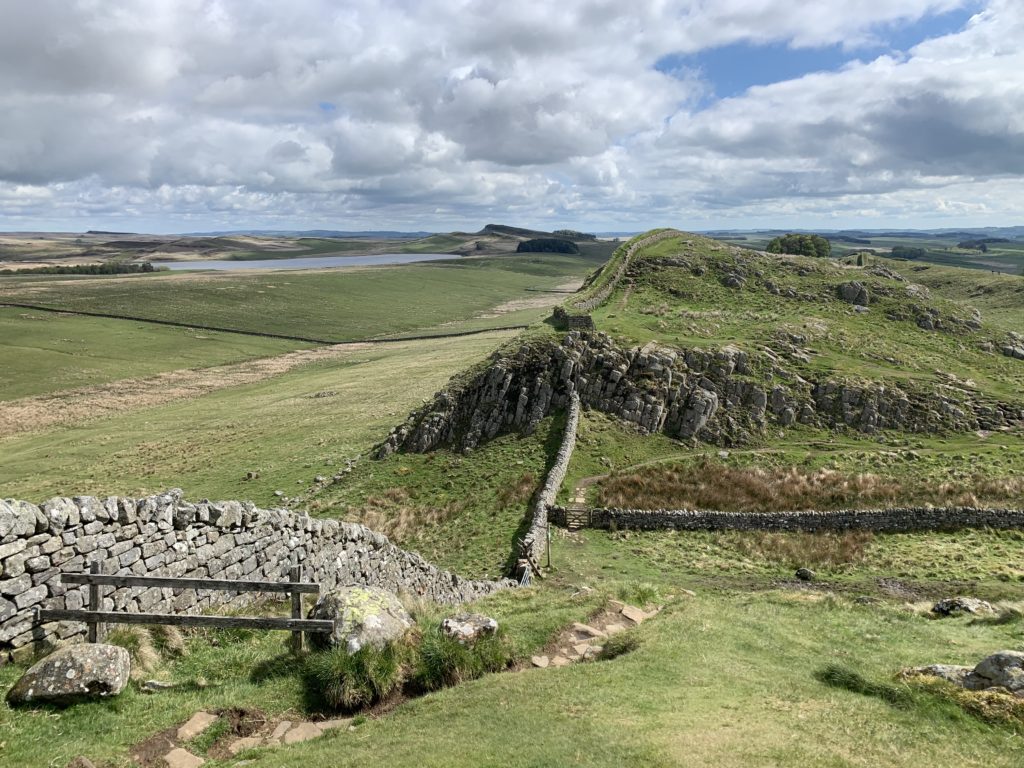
(730,70)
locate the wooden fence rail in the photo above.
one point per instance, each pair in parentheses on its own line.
(94,617)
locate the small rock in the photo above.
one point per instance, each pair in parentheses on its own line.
(634,614)
(281,730)
(252,475)
(467,628)
(182,758)
(950,672)
(540,661)
(586,629)
(614,629)
(279,494)
(560,661)
(240,745)
(319,479)
(303,732)
(953,606)
(196,724)
(805,574)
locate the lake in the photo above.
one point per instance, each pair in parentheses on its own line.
(317,262)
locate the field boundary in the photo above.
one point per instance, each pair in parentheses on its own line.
(891,520)
(262,334)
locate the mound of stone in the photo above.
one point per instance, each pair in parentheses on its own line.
(362,616)
(1002,670)
(955,606)
(72,674)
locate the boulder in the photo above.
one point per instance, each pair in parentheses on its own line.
(467,628)
(804,574)
(362,616)
(949,672)
(954,606)
(1003,669)
(854,292)
(72,674)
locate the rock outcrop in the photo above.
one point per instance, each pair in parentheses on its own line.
(724,396)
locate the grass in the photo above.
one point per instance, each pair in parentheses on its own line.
(337,305)
(815,334)
(43,353)
(276,428)
(727,677)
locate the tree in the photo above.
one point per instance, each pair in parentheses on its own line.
(801,245)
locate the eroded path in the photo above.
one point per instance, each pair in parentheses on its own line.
(75,406)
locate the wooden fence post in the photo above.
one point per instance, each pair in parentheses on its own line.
(296,576)
(93,603)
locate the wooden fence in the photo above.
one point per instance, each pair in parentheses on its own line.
(94,617)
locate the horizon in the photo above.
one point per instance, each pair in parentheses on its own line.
(176,117)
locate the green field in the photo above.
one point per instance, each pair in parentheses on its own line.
(336,305)
(276,427)
(42,353)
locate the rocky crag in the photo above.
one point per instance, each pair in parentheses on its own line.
(726,396)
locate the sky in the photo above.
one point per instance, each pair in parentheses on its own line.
(197,115)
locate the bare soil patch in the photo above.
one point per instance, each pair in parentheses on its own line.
(75,406)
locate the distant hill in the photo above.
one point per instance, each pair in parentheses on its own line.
(330,233)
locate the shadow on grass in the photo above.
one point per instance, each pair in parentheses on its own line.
(838,676)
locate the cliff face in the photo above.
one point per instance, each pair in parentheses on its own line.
(723,396)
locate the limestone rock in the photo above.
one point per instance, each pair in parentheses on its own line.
(1004,669)
(72,674)
(196,724)
(854,292)
(362,616)
(953,606)
(950,672)
(303,732)
(467,628)
(182,758)
(540,661)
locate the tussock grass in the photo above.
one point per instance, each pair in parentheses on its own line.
(797,550)
(710,484)
(619,645)
(347,682)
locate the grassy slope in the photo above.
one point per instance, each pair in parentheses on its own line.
(274,427)
(332,304)
(725,678)
(42,353)
(674,306)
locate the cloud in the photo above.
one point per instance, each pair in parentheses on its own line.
(448,113)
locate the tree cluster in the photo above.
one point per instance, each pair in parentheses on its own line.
(907,252)
(104,268)
(547,245)
(801,245)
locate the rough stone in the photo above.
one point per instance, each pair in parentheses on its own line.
(467,628)
(634,614)
(196,724)
(247,742)
(182,758)
(804,574)
(362,616)
(72,674)
(303,732)
(1004,669)
(540,661)
(953,606)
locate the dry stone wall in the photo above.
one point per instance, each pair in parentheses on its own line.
(599,297)
(894,520)
(535,541)
(167,536)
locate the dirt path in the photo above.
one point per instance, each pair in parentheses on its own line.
(74,406)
